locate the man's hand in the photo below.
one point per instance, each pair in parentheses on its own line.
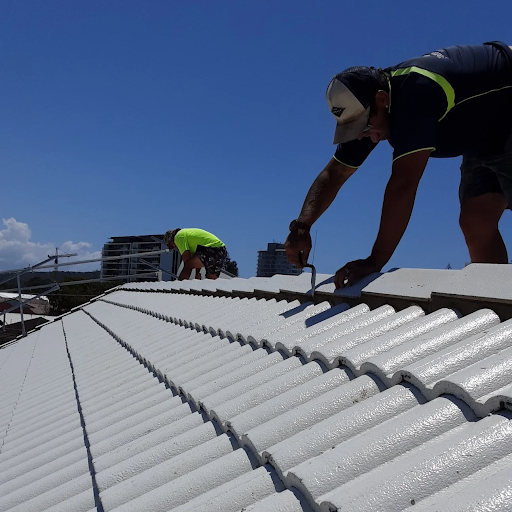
(396,212)
(354,271)
(319,197)
(298,240)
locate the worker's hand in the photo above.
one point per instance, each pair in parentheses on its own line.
(298,240)
(354,271)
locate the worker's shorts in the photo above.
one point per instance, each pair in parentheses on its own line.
(212,258)
(484,174)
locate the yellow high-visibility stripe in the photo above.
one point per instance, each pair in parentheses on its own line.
(343,163)
(411,152)
(484,93)
(440,80)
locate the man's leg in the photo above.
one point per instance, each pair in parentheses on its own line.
(479,218)
(193,262)
(216,262)
(212,259)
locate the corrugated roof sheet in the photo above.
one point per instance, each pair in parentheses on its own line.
(254,395)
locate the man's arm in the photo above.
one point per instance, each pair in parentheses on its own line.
(396,213)
(187,269)
(320,196)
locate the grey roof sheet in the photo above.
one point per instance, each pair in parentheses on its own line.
(162,396)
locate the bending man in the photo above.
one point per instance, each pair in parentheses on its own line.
(451,102)
(198,249)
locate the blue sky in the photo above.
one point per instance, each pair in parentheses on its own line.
(128,117)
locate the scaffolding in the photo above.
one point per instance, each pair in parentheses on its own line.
(48,288)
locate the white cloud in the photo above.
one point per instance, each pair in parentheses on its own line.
(17,251)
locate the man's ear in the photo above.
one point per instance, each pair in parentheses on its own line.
(382,99)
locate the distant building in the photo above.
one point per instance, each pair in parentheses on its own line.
(274,261)
(123,245)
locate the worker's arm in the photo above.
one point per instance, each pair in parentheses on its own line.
(320,196)
(187,268)
(396,212)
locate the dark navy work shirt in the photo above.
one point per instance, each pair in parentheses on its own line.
(454,101)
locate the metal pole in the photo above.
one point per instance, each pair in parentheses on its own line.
(86,281)
(158,268)
(22,271)
(23,332)
(107,258)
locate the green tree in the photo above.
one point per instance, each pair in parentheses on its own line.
(230,266)
(36,281)
(68,297)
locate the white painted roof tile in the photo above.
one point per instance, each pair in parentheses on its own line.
(480,280)
(176,421)
(74,493)
(236,494)
(187,487)
(283,427)
(189,430)
(274,407)
(166,471)
(80,502)
(407,282)
(359,409)
(216,371)
(435,464)
(128,371)
(286,501)
(331,348)
(361,454)
(257,395)
(343,321)
(42,480)
(292,320)
(239,381)
(355,357)
(388,364)
(300,284)
(487,490)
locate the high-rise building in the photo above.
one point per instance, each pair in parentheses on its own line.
(274,261)
(123,245)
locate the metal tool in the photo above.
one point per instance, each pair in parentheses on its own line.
(313,272)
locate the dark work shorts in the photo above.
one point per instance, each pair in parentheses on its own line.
(212,258)
(487,173)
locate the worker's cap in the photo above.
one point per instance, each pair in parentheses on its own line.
(169,235)
(349,97)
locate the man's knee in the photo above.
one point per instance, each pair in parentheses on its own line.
(481,214)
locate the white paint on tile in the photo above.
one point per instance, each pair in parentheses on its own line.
(349,320)
(310,413)
(342,325)
(362,453)
(185,488)
(166,471)
(331,352)
(288,400)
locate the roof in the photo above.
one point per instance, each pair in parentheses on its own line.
(254,395)
(24,296)
(14,318)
